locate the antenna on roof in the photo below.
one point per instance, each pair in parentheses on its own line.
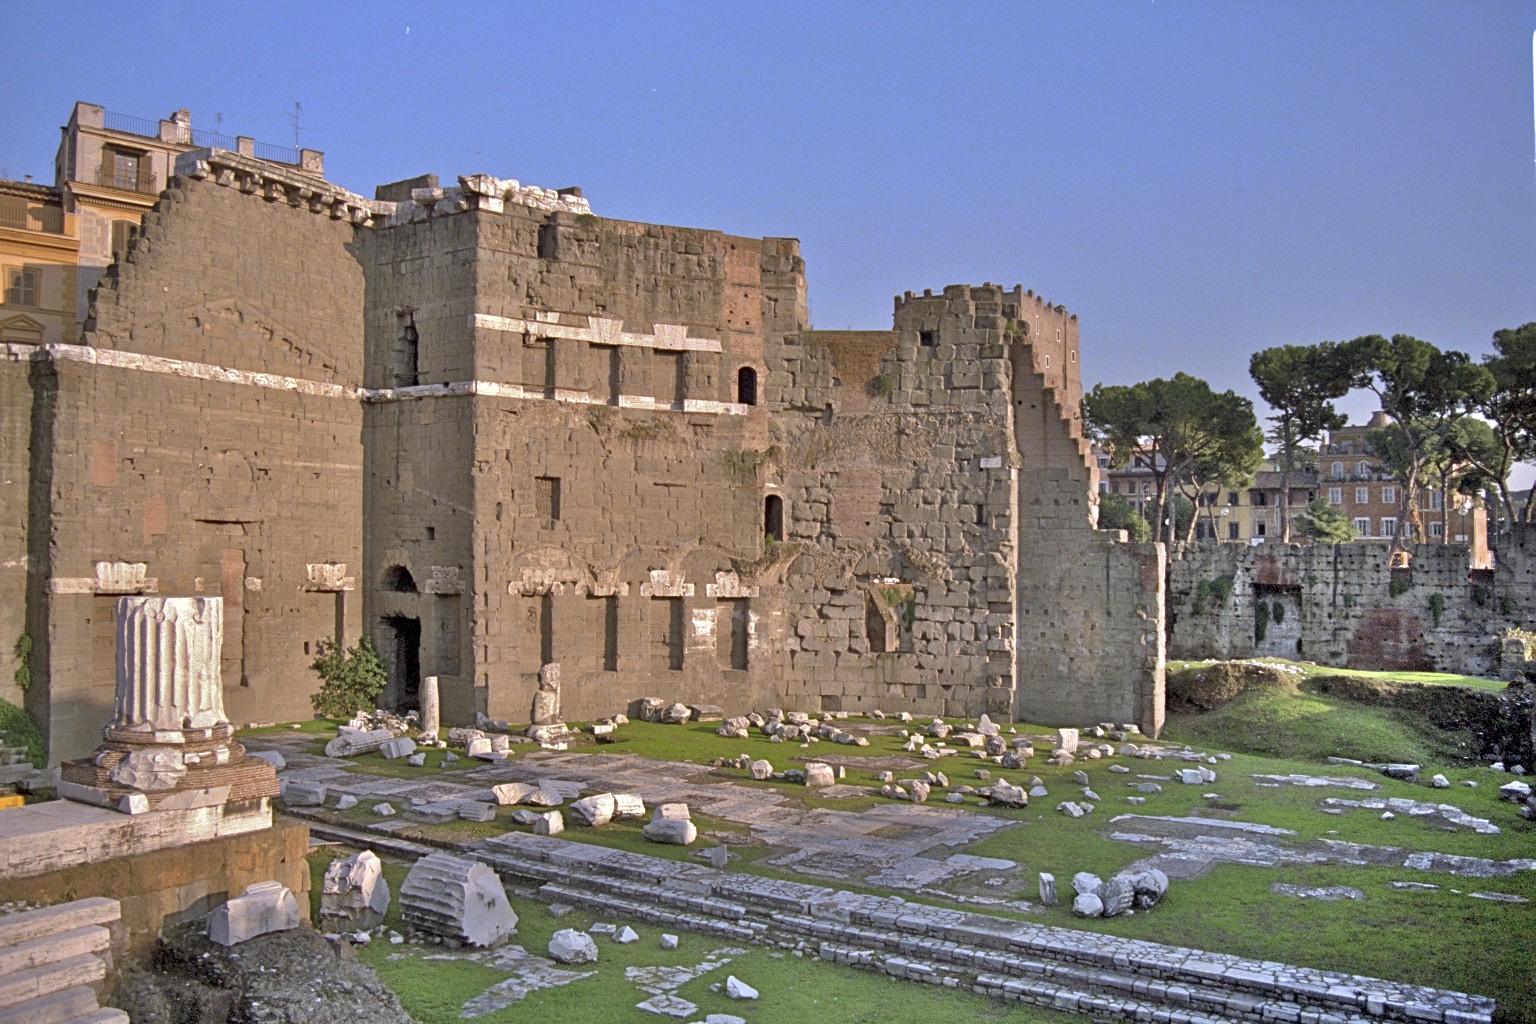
(294,117)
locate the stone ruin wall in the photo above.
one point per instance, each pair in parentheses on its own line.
(169,453)
(1090,635)
(940,463)
(551,345)
(1339,608)
(573,481)
(15,488)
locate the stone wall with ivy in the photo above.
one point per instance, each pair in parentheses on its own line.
(1347,606)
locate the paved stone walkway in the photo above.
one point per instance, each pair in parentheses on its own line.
(897,845)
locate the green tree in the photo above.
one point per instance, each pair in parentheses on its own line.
(1300,383)
(1323,523)
(350,681)
(1176,425)
(1423,391)
(1510,409)
(1117,513)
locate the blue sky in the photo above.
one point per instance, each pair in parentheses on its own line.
(1195,180)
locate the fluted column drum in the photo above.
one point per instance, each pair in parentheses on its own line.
(168,664)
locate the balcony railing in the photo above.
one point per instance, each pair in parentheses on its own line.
(49,219)
(141,180)
(147,127)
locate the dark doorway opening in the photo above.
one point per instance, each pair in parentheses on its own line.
(402,648)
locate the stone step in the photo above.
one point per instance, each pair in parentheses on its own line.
(53,1008)
(35,982)
(104,1015)
(91,939)
(1193,1001)
(1176,979)
(32,924)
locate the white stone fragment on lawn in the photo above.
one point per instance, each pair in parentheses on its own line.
(761,769)
(303,794)
(569,946)
(272,757)
(474,810)
(626,935)
(354,893)
(738,989)
(345,802)
(668,940)
(594,811)
(550,823)
(1048,889)
(402,746)
(351,742)
(457,899)
(1087,905)
(384,810)
(1066,739)
(262,908)
(1086,882)
(819,775)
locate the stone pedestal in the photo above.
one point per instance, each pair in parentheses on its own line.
(169,745)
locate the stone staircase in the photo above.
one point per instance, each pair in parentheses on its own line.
(53,962)
(1062,968)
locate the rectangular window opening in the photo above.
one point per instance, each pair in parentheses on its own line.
(546,499)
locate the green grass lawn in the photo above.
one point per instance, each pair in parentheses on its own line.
(1440,938)
(793,989)
(1310,669)
(18,730)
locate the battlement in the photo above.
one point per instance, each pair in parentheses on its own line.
(987,298)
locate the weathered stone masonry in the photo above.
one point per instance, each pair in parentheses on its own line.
(497,431)
(1338,605)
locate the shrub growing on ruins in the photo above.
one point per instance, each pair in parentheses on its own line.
(350,680)
(1437,606)
(1399,586)
(23,653)
(1260,621)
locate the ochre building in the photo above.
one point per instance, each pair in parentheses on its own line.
(496,431)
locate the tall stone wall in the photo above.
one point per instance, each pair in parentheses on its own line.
(1337,604)
(494,432)
(571,478)
(15,488)
(899,592)
(205,439)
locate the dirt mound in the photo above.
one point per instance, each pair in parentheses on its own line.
(293,977)
(1208,688)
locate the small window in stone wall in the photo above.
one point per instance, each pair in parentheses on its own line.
(889,611)
(610,634)
(746,386)
(773,518)
(546,499)
(405,352)
(928,339)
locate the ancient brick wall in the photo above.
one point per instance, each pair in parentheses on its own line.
(1338,606)
(575,466)
(938,491)
(15,478)
(209,432)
